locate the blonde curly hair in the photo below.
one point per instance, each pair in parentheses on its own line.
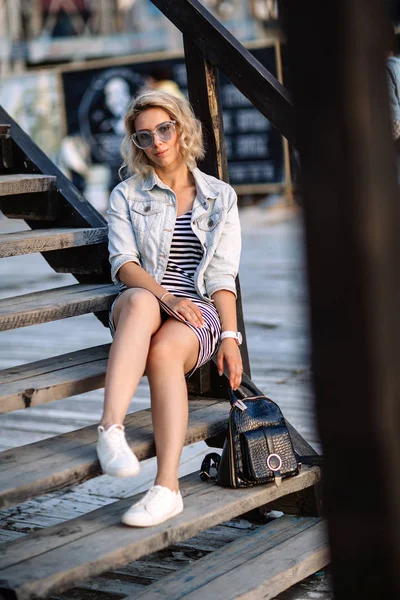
(187,125)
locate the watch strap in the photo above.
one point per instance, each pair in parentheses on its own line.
(231,334)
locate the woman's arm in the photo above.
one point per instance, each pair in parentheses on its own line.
(125,262)
(134,276)
(122,245)
(224,265)
(228,352)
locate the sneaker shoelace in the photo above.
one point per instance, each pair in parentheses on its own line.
(154,496)
(115,436)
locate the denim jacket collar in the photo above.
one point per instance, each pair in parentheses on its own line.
(205,190)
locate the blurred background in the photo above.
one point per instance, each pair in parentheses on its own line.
(69,67)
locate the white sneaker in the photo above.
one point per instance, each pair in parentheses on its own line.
(115,456)
(157,506)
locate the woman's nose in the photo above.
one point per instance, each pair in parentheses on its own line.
(156,140)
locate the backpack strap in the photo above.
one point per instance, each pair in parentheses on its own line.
(210,463)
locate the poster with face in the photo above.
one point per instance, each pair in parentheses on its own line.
(101,111)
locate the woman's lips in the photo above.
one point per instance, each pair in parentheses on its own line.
(161,153)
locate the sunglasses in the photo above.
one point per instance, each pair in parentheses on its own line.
(145,138)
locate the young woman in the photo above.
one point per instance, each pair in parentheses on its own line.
(174,243)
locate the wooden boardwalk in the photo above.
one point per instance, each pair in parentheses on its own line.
(274,304)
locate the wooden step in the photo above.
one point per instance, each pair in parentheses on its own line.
(54,304)
(261,564)
(43,240)
(61,556)
(43,381)
(10,185)
(30,197)
(54,378)
(70,458)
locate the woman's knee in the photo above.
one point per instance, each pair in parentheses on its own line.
(163,351)
(134,302)
(169,347)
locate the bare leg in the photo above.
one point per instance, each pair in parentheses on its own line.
(173,352)
(137,318)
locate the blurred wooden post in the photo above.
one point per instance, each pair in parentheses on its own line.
(106,17)
(352,216)
(15,34)
(286,152)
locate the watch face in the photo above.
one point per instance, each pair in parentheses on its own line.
(239,338)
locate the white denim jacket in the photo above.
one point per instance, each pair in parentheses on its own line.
(142,215)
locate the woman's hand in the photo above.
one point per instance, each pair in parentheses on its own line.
(229,354)
(185,309)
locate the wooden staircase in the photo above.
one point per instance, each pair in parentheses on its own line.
(72,237)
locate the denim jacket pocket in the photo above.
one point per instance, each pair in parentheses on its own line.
(210,221)
(144,213)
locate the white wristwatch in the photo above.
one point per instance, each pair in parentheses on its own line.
(232,334)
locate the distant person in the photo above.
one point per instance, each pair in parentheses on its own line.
(117,95)
(160,79)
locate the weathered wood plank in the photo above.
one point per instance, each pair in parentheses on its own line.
(33,207)
(153,567)
(306,503)
(71,458)
(104,588)
(26,184)
(58,377)
(54,304)
(40,382)
(267,560)
(205,97)
(97,542)
(43,240)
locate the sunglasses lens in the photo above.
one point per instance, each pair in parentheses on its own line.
(143,139)
(165,131)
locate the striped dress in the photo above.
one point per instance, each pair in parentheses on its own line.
(185,255)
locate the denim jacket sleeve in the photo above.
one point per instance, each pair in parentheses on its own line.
(122,245)
(224,265)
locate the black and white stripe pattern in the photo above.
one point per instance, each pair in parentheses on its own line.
(185,254)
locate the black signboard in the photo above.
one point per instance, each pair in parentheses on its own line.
(96,99)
